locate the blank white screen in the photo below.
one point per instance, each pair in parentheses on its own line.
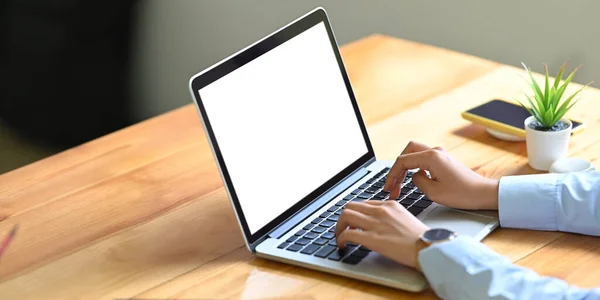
(284,124)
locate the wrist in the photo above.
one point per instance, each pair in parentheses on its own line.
(488,194)
(418,245)
(429,238)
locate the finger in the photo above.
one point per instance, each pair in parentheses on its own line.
(395,183)
(424,183)
(364,208)
(396,174)
(395,191)
(374,202)
(353,218)
(420,160)
(353,235)
(414,146)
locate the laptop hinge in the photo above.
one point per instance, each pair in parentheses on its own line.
(319,202)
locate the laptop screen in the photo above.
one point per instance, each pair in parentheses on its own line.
(285,124)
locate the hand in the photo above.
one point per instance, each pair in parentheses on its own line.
(386,227)
(451,183)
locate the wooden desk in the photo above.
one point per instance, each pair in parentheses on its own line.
(142,212)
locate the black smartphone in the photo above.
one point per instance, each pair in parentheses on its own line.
(505,117)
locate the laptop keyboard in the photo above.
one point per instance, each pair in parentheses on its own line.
(317,238)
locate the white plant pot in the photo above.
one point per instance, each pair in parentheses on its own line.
(545,147)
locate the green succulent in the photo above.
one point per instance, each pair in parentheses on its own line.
(546,105)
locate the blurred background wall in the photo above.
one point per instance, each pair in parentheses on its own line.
(179,38)
(168,41)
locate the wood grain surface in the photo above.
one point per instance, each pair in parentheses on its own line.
(142,212)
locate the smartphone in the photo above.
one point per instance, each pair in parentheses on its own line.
(505,117)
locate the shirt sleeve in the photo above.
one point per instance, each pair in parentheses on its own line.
(466,269)
(558,202)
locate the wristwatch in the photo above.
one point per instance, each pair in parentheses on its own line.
(433,236)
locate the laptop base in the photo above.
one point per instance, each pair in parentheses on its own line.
(374,267)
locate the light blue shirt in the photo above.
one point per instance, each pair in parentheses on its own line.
(466,269)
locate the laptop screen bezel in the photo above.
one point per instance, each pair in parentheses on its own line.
(240,59)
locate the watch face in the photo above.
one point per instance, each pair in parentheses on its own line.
(437,234)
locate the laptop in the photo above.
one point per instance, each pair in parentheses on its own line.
(292,149)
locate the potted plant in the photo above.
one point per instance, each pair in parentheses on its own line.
(547,132)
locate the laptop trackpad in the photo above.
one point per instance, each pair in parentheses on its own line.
(462,222)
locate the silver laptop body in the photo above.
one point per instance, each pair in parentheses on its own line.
(292,149)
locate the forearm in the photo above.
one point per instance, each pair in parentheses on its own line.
(564,202)
(466,269)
